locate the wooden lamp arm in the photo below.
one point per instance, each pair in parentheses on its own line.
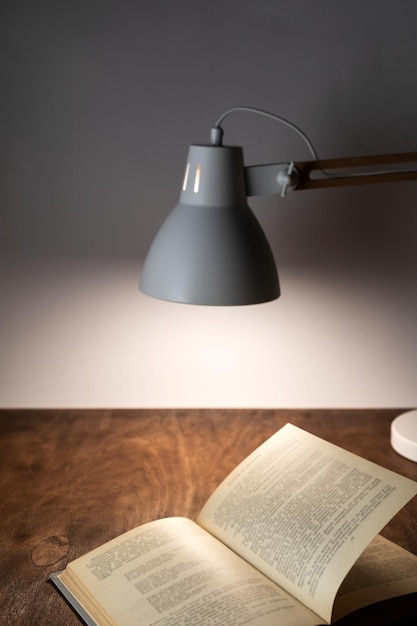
(307,168)
(321,173)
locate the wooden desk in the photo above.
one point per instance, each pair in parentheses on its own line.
(72,479)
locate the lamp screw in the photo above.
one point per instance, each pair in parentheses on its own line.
(288,179)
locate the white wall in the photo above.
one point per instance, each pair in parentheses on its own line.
(80,334)
(100,100)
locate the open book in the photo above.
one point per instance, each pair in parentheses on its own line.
(289,537)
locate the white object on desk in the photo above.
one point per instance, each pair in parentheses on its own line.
(404,435)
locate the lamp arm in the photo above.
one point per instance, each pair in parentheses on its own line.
(328,179)
(282,177)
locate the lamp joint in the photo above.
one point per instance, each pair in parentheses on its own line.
(288,179)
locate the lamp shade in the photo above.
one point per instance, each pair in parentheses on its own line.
(211,249)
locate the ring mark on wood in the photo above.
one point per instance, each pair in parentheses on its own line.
(51,550)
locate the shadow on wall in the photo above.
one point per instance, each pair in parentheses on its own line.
(372,226)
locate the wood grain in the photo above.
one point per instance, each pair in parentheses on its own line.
(355,165)
(72,479)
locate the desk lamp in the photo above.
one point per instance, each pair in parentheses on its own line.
(211,249)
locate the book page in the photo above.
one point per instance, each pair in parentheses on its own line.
(302,511)
(384,570)
(173,573)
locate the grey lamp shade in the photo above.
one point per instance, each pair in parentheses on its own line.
(211,249)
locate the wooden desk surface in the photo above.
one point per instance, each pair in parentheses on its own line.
(72,479)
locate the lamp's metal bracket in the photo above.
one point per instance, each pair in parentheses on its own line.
(262,180)
(279,178)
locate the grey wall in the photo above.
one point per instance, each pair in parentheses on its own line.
(100,100)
